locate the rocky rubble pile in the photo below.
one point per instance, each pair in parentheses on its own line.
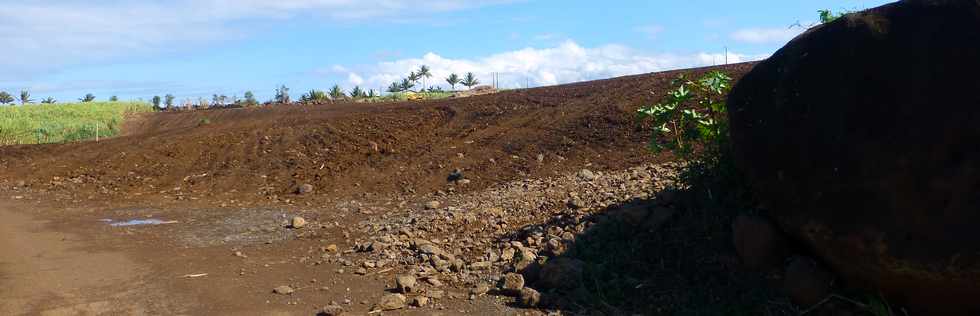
(488,242)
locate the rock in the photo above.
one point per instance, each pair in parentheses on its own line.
(239,254)
(530,297)
(862,143)
(431,205)
(304,189)
(297,222)
(757,242)
(433,281)
(331,248)
(406,284)
(561,273)
(361,271)
(420,301)
(586,175)
(480,289)
(436,294)
(806,283)
(482,265)
(391,302)
(283,290)
(455,176)
(331,310)
(507,254)
(576,203)
(513,283)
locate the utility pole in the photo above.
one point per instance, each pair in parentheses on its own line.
(726,55)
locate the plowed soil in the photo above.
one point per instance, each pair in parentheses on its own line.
(228,177)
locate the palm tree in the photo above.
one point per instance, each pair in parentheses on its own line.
(336,92)
(470,80)
(113,99)
(371,93)
(395,87)
(423,73)
(25,97)
(87,98)
(6,97)
(49,100)
(407,84)
(413,77)
(357,92)
(453,80)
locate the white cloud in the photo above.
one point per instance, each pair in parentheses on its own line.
(567,62)
(766,35)
(44,35)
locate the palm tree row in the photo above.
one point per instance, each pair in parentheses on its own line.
(25,98)
(407,83)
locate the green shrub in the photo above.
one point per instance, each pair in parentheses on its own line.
(692,119)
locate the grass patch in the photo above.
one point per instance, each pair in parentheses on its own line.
(404,96)
(64,122)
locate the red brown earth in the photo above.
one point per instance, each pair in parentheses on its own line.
(230,183)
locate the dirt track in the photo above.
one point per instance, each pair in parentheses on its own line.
(230,183)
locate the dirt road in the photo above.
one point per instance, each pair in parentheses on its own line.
(46,272)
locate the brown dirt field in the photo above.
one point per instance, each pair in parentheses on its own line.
(227,182)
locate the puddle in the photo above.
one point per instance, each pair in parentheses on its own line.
(139,222)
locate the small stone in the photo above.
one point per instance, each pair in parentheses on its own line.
(434,281)
(436,294)
(480,289)
(513,283)
(331,248)
(431,205)
(406,284)
(508,254)
(391,302)
(369,264)
(576,203)
(482,265)
(283,290)
(306,188)
(331,310)
(298,222)
(361,271)
(455,176)
(420,301)
(530,297)
(240,254)
(540,157)
(586,175)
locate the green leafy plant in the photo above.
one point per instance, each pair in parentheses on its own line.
(314,96)
(827,16)
(87,98)
(470,80)
(692,116)
(25,97)
(337,93)
(453,80)
(113,99)
(49,100)
(6,98)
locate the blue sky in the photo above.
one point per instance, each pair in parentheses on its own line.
(192,48)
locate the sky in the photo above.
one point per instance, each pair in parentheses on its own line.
(136,49)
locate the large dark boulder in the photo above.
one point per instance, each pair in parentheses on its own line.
(862,138)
